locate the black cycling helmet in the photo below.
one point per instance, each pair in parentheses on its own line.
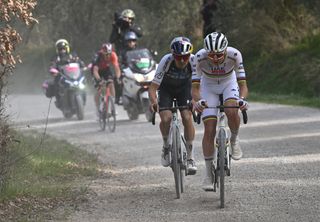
(130,36)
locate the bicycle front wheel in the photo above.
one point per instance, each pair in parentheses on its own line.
(102,115)
(222,141)
(176,144)
(111,114)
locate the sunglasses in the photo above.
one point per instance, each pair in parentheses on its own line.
(181,57)
(216,56)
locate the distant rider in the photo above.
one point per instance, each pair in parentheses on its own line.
(105,60)
(63,57)
(173,80)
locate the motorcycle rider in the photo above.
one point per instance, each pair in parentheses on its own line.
(218,69)
(131,39)
(122,24)
(105,60)
(63,57)
(173,80)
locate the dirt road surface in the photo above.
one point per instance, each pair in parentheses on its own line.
(278,179)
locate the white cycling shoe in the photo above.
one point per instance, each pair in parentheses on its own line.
(236,150)
(191,167)
(165,159)
(207,183)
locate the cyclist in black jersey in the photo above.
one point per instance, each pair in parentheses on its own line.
(173,80)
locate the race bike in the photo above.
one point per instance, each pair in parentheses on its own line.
(71,90)
(137,76)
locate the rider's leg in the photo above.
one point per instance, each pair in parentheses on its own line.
(233,118)
(234,124)
(188,131)
(165,117)
(210,123)
(112,89)
(189,136)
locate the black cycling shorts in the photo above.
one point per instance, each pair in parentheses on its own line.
(183,97)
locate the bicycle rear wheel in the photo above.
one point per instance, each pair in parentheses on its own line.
(221,159)
(111,114)
(176,143)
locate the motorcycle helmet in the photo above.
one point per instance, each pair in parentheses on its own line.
(130,36)
(62,44)
(106,48)
(215,42)
(181,46)
(128,13)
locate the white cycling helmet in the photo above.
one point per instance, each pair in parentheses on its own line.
(215,42)
(181,46)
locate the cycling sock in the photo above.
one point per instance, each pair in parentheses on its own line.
(189,147)
(165,141)
(208,162)
(234,135)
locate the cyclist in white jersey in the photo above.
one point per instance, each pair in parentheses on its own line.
(173,79)
(218,69)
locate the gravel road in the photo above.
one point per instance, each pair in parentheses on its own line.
(278,179)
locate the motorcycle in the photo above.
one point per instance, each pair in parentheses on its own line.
(137,76)
(71,90)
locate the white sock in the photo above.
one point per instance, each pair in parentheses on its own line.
(234,135)
(208,164)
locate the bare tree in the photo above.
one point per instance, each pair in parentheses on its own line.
(11,10)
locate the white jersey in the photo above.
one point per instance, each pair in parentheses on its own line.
(231,68)
(218,79)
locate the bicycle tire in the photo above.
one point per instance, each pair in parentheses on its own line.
(80,107)
(102,116)
(222,141)
(175,161)
(183,162)
(111,114)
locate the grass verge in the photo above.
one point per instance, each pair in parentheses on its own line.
(290,99)
(41,178)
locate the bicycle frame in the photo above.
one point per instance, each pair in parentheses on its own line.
(222,156)
(106,112)
(177,149)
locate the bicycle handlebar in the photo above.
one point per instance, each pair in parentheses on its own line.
(244,112)
(174,109)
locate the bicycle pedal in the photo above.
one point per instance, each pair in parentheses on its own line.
(191,172)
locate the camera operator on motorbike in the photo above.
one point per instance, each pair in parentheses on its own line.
(121,25)
(218,70)
(63,57)
(105,60)
(173,80)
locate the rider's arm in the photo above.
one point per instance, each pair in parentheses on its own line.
(95,71)
(153,93)
(243,88)
(241,75)
(158,77)
(196,77)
